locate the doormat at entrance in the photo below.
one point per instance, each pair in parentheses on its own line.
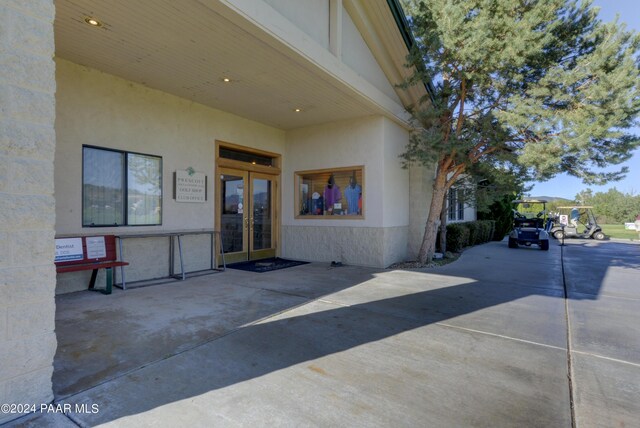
(266,265)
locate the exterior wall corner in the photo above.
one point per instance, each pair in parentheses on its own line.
(27,206)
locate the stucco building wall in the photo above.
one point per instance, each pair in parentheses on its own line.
(99,109)
(359,58)
(378,239)
(27,215)
(311,17)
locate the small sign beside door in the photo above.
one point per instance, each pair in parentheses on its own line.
(190,186)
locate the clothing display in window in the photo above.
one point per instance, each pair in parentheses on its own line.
(352,194)
(317,204)
(332,193)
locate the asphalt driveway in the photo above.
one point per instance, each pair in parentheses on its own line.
(480,342)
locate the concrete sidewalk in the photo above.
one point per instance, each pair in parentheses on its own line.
(479,342)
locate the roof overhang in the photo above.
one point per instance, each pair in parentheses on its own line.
(187,48)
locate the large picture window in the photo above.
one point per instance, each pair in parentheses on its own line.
(330,193)
(120,188)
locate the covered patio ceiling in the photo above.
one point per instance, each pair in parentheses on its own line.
(188,47)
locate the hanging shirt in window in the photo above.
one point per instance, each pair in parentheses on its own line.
(352,194)
(332,195)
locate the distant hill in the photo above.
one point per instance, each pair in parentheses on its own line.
(549,198)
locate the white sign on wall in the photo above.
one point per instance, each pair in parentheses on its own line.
(96,248)
(68,249)
(190,186)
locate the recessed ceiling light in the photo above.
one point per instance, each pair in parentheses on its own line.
(93,22)
(297,110)
(226,79)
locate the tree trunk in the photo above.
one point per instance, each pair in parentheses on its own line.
(427,249)
(443,226)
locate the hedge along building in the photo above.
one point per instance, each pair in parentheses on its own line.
(267,100)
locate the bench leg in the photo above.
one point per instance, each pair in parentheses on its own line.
(92,283)
(109,281)
(109,284)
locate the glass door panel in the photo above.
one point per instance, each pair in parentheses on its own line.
(247,214)
(234,214)
(262,217)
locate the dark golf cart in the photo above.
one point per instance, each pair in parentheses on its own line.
(529,222)
(576,221)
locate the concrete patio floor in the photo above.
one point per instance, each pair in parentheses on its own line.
(479,342)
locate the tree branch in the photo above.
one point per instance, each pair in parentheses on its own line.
(459,169)
(463,95)
(479,154)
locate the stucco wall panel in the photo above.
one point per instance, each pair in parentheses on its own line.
(27,211)
(34,142)
(312,17)
(357,55)
(102,110)
(27,274)
(374,142)
(340,144)
(99,109)
(21,285)
(27,354)
(28,28)
(396,179)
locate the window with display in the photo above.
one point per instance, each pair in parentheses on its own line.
(330,193)
(120,188)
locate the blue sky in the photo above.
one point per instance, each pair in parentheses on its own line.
(567,187)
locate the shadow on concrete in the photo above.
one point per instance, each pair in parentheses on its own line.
(258,350)
(322,329)
(587,263)
(103,337)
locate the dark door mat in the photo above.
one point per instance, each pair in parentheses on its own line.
(266,265)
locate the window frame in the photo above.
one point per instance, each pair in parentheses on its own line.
(460,204)
(125,187)
(298,181)
(452,199)
(455,204)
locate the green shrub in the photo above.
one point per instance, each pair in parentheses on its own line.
(492,229)
(457,236)
(481,231)
(474,232)
(460,235)
(486,227)
(500,212)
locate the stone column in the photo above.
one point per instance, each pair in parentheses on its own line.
(27,215)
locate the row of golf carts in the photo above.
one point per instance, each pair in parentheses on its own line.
(532,225)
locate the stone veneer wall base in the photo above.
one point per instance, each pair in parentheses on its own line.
(362,246)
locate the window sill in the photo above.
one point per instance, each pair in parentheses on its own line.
(329,217)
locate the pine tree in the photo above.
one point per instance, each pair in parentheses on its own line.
(541,85)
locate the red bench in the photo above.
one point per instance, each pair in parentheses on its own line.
(95,256)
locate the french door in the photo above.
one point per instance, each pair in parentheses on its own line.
(247,214)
